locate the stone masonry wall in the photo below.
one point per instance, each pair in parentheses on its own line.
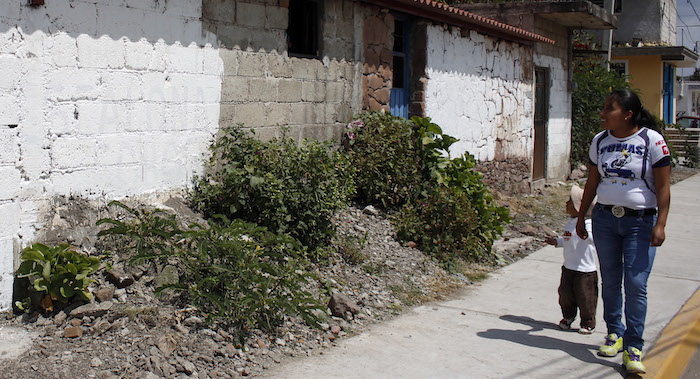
(479,89)
(264,88)
(99,99)
(378,59)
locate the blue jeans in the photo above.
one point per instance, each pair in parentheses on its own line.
(625,253)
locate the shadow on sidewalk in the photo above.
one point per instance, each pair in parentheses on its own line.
(582,352)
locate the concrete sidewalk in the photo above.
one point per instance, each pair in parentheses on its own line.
(506,326)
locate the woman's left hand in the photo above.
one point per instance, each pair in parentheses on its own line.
(658,235)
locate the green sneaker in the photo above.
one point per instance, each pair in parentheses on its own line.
(632,359)
(612,346)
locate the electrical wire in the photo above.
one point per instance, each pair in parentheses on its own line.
(696,12)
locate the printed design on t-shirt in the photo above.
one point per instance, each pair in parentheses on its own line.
(615,168)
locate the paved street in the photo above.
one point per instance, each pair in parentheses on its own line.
(506,326)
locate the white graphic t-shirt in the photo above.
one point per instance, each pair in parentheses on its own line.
(626,167)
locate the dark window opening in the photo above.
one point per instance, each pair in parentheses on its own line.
(303,30)
(399,52)
(618,6)
(620,68)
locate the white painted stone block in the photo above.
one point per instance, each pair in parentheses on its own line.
(64,51)
(103,52)
(6,272)
(9,219)
(10,182)
(73,84)
(145,117)
(9,146)
(10,72)
(185,59)
(119,21)
(138,55)
(62,119)
(74,152)
(100,118)
(118,149)
(9,110)
(119,86)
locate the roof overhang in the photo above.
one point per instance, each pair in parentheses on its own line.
(679,56)
(440,12)
(571,14)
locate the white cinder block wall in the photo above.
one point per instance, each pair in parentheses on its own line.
(477,91)
(99,98)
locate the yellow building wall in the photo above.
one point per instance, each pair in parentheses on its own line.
(647,75)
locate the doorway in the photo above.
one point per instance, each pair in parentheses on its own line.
(398,102)
(541,117)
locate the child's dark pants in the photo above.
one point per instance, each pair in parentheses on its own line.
(579,290)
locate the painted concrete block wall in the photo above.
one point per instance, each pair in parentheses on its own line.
(479,89)
(555,59)
(264,87)
(99,99)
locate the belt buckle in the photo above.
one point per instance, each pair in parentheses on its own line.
(618,211)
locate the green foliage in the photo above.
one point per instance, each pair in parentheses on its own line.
(455,215)
(592,85)
(56,273)
(385,154)
(285,187)
(350,248)
(237,272)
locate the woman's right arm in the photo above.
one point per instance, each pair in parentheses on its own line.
(589,192)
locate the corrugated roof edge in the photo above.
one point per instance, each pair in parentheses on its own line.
(448,12)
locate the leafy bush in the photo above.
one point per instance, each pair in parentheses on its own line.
(592,85)
(237,272)
(285,187)
(454,216)
(386,156)
(57,274)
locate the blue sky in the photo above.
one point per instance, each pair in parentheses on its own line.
(687,36)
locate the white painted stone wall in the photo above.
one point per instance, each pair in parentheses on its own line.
(478,90)
(99,98)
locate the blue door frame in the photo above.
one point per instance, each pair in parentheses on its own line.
(398,101)
(669,76)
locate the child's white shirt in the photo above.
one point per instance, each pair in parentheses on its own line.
(579,255)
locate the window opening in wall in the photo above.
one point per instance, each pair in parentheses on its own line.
(600,3)
(399,55)
(303,30)
(618,6)
(620,67)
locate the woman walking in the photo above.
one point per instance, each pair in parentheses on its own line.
(630,173)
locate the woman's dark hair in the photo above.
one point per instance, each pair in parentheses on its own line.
(629,101)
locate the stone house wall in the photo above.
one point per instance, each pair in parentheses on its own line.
(479,89)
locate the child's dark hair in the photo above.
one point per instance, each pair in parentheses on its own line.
(629,101)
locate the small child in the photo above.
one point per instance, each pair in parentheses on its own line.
(579,279)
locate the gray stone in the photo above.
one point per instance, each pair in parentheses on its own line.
(120,278)
(101,327)
(105,293)
(168,275)
(340,303)
(92,309)
(371,210)
(59,318)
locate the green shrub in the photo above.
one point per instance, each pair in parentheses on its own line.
(56,274)
(385,154)
(287,188)
(592,85)
(236,272)
(454,216)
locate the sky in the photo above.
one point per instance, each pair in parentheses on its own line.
(688,36)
